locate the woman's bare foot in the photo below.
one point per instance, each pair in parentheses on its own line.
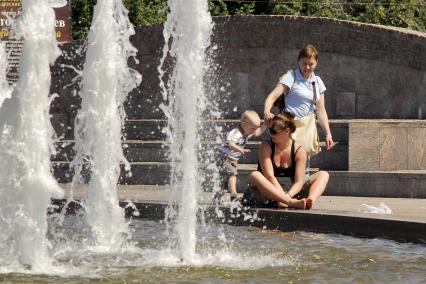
(282,205)
(298,204)
(309,203)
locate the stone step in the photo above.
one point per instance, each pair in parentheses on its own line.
(396,184)
(156,151)
(401,184)
(152,129)
(141,173)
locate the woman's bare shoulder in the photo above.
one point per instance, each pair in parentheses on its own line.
(298,148)
(265,147)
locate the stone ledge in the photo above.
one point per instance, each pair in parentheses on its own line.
(156,151)
(401,184)
(398,230)
(402,230)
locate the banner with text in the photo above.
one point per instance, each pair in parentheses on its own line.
(9,10)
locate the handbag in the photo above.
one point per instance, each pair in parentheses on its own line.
(306,133)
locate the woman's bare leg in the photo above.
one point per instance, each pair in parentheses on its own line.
(319,182)
(268,190)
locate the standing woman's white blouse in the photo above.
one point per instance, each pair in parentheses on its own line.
(299,100)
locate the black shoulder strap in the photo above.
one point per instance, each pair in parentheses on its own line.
(315,85)
(271,143)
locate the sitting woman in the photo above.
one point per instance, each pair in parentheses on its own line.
(282,157)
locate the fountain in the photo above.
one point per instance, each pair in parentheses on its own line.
(188,40)
(107,80)
(26,183)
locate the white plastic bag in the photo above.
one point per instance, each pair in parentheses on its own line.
(382,209)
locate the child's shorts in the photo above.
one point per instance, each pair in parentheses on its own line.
(227,169)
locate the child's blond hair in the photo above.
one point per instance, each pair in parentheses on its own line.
(251,117)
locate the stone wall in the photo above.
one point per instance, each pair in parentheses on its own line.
(392,145)
(370,71)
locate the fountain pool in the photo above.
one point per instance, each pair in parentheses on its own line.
(252,256)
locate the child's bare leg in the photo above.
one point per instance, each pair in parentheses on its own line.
(232,186)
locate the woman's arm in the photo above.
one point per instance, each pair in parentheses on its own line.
(323,120)
(260,130)
(299,177)
(269,102)
(265,162)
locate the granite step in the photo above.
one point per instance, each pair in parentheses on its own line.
(152,129)
(399,184)
(156,151)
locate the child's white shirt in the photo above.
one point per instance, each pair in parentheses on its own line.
(236,136)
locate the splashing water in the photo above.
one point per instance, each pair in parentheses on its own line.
(187,31)
(26,183)
(107,80)
(5,90)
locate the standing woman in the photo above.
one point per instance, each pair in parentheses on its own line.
(301,92)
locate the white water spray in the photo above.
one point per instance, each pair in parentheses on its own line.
(107,80)
(26,183)
(187,31)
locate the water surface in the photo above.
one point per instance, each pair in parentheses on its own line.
(226,254)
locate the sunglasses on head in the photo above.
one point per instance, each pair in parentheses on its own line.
(275,132)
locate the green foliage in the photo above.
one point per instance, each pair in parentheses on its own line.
(245,9)
(278,7)
(82,11)
(406,14)
(146,12)
(218,8)
(409,14)
(141,12)
(327,8)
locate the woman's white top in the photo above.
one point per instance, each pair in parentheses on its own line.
(300,98)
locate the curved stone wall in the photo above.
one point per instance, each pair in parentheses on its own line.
(370,71)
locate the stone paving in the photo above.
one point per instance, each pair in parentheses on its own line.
(330,214)
(403,209)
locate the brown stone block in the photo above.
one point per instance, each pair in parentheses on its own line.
(401,160)
(364,147)
(345,104)
(232,59)
(148,39)
(265,73)
(416,148)
(393,148)
(232,33)
(264,31)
